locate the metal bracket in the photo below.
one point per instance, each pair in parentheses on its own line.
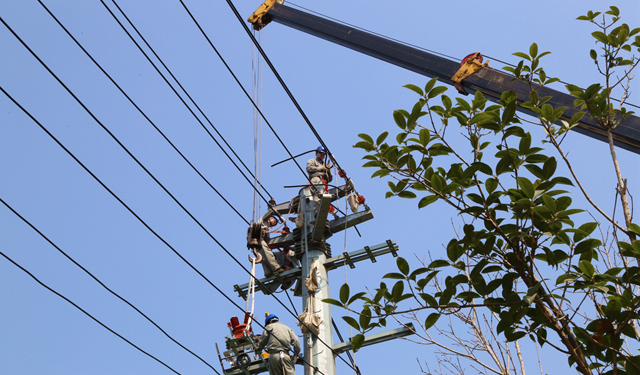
(362,254)
(348,260)
(392,247)
(470,65)
(377,338)
(368,250)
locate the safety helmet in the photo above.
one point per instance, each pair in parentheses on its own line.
(321,149)
(270,319)
(275,221)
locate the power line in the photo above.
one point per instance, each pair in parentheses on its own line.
(144,168)
(239,84)
(103,285)
(283,84)
(138,217)
(247,94)
(86,313)
(180,97)
(142,113)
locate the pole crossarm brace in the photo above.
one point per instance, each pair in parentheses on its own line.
(492,83)
(334,226)
(368,252)
(283,209)
(378,338)
(289,277)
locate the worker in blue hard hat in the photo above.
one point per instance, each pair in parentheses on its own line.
(319,170)
(278,339)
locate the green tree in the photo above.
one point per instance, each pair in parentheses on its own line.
(523,263)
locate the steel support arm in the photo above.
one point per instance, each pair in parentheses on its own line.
(488,81)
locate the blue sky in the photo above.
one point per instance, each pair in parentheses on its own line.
(342,92)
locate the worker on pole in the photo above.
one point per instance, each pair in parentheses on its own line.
(270,263)
(319,171)
(278,340)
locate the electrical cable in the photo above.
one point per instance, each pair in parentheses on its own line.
(255,106)
(142,113)
(102,284)
(138,217)
(353,362)
(138,162)
(144,223)
(242,87)
(86,313)
(284,86)
(141,165)
(183,101)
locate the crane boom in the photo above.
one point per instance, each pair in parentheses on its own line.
(490,82)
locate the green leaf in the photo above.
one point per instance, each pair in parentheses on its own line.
(356,342)
(425,137)
(356,297)
(399,119)
(344,293)
(525,144)
(381,138)
(491,184)
(635,228)
(533,50)
(587,268)
(394,276)
(430,84)
(407,194)
(415,89)
(439,263)
(352,322)
(526,186)
(522,55)
(332,301)
(403,266)
(431,320)
(437,91)
(365,318)
(427,201)
(549,167)
(397,291)
(600,37)
(367,138)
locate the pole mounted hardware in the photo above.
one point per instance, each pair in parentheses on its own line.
(470,65)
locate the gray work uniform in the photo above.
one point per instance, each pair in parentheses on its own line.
(317,169)
(279,338)
(270,263)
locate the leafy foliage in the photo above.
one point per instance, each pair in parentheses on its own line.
(520,254)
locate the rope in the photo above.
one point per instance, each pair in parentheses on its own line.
(256,66)
(251,295)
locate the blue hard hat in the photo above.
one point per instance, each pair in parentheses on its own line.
(321,149)
(269,318)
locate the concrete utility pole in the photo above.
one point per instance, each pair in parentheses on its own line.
(318,349)
(309,240)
